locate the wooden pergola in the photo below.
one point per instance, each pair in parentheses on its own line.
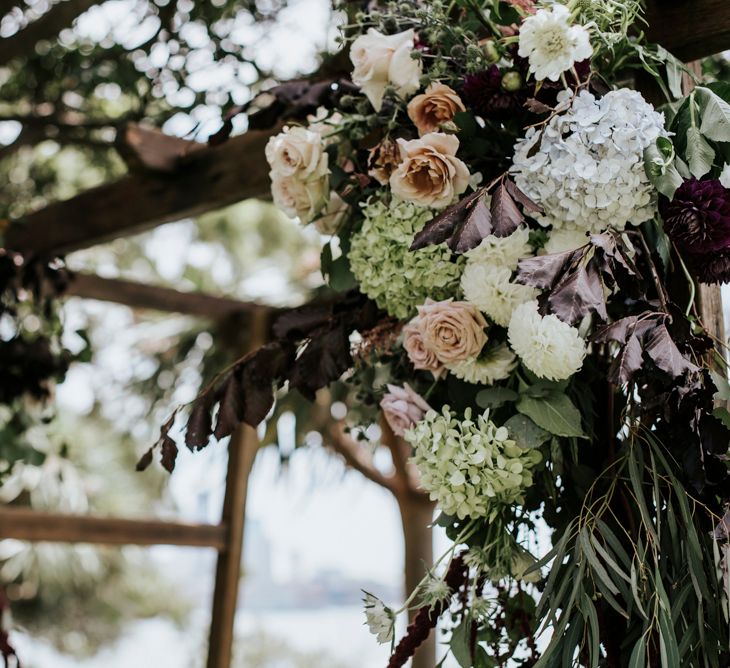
(171,179)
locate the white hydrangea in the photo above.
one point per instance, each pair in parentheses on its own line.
(560,241)
(551,45)
(586,167)
(497,364)
(547,346)
(503,251)
(490,289)
(470,468)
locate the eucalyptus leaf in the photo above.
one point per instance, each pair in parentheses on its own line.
(525,432)
(700,155)
(715,115)
(555,413)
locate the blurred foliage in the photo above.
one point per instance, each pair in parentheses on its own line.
(261,650)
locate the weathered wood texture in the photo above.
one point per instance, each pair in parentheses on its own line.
(242,448)
(690,29)
(205,179)
(140,295)
(34,525)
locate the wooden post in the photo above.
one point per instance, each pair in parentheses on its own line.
(242,448)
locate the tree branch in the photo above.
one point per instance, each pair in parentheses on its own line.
(59,16)
(405,473)
(355,456)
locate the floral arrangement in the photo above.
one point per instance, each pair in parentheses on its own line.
(526,234)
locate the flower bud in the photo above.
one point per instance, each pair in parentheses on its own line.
(512,82)
(491,53)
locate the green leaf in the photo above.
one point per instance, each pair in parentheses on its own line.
(715,115)
(494,397)
(638,655)
(555,413)
(700,154)
(659,167)
(723,415)
(525,432)
(459,644)
(589,611)
(722,384)
(337,271)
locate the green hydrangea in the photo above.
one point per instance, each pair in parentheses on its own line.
(396,278)
(471,469)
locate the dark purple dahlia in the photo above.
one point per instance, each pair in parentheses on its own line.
(483,93)
(697,220)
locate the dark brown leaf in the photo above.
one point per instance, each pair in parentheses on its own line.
(506,217)
(544,271)
(537,107)
(231,404)
(579,294)
(476,226)
(527,204)
(665,354)
(146,459)
(442,227)
(626,363)
(200,423)
(325,358)
(621,330)
(168,454)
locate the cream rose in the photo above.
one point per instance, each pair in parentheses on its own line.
(299,199)
(421,357)
(381,60)
(438,105)
(298,152)
(452,331)
(402,408)
(332,217)
(430,174)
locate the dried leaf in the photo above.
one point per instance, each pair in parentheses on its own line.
(544,271)
(442,227)
(665,354)
(200,423)
(476,226)
(527,204)
(506,217)
(579,294)
(169,454)
(146,459)
(231,401)
(627,362)
(324,360)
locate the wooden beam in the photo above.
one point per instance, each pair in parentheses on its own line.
(37,526)
(140,295)
(242,449)
(689,29)
(207,179)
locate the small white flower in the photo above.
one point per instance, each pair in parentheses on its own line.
(551,44)
(725,176)
(564,240)
(498,364)
(548,347)
(380,60)
(434,591)
(379,618)
(490,289)
(503,251)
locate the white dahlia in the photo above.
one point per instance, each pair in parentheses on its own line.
(551,45)
(497,364)
(586,167)
(503,251)
(490,289)
(547,346)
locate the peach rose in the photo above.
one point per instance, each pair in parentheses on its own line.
(452,331)
(438,105)
(430,174)
(421,357)
(382,60)
(402,408)
(383,161)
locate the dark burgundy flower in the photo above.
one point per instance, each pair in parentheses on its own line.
(697,220)
(483,93)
